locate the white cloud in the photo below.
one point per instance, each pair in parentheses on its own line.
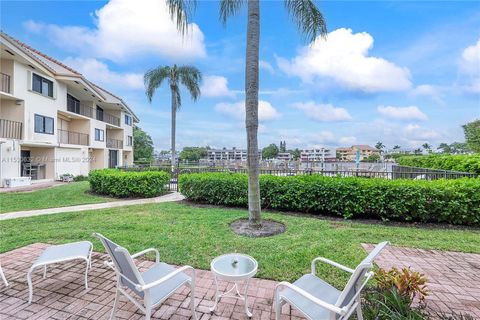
(344,58)
(402,113)
(98,72)
(216,86)
(348,140)
(323,112)
(418,133)
(266,66)
(470,67)
(434,92)
(237,110)
(125,29)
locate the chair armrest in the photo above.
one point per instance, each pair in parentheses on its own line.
(162,280)
(321,303)
(141,253)
(330,262)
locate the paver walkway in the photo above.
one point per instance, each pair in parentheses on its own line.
(62,294)
(174,196)
(453,277)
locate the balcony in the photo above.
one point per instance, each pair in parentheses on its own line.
(78,108)
(5,83)
(72,137)
(114,143)
(10,129)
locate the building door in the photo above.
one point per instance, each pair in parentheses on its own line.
(99,113)
(112,158)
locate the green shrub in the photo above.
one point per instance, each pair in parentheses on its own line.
(80,178)
(460,162)
(449,201)
(122,184)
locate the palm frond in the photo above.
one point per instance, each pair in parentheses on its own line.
(153,79)
(181,11)
(229,8)
(307,17)
(191,78)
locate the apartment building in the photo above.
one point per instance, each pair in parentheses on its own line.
(54,121)
(350,153)
(316,155)
(228,154)
(284,156)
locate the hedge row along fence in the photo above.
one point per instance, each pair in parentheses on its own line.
(460,162)
(123,184)
(446,201)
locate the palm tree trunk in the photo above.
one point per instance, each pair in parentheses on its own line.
(174,122)
(251,111)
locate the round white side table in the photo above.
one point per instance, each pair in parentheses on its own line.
(233,267)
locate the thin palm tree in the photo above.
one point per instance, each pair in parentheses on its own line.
(190,77)
(311,24)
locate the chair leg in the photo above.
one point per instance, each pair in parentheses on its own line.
(359,312)
(192,296)
(148,313)
(115,303)
(278,306)
(30,286)
(86,274)
(44,271)
(3,276)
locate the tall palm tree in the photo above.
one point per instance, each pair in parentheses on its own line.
(427,147)
(379,145)
(189,76)
(309,21)
(396,147)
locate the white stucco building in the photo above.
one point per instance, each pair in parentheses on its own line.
(54,121)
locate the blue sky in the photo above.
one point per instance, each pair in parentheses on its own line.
(404,73)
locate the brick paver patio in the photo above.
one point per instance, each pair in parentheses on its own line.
(453,277)
(62,294)
(454,281)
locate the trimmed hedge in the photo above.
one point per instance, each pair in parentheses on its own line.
(451,201)
(459,162)
(122,184)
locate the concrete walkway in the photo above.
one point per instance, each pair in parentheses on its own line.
(174,196)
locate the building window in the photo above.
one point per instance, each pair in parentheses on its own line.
(99,135)
(43,124)
(128,120)
(42,85)
(73,104)
(129,140)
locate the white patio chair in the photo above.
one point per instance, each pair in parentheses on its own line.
(2,275)
(150,288)
(318,300)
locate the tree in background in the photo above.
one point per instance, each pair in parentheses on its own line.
(371,158)
(445,147)
(427,147)
(142,145)
(379,146)
(417,151)
(270,152)
(193,153)
(396,147)
(283,146)
(296,154)
(472,135)
(191,79)
(459,147)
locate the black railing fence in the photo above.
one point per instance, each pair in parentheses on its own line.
(397,172)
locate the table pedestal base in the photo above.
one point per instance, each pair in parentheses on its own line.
(236,294)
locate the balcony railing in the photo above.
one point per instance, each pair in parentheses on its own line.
(5,82)
(114,143)
(78,108)
(10,129)
(72,137)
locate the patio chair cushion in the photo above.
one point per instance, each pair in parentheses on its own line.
(158,271)
(317,288)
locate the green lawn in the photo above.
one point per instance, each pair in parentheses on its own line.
(71,194)
(189,235)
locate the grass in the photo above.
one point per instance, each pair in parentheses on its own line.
(71,194)
(191,235)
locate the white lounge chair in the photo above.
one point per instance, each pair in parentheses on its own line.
(149,288)
(318,300)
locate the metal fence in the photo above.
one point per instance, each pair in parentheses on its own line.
(396,172)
